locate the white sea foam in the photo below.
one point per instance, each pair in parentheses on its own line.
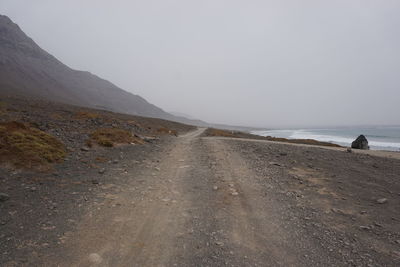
(337,139)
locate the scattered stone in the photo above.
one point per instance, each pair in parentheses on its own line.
(85,149)
(337,211)
(275,163)
(363,212)
(115,161)
(382,201)
(234,193)
(366,228)
(349,150)
(219,243)
(378,224)
(215,187)
(185,166)
(360,143)
(102,170)
(398,241)
(283,154)
(95,258)
(4,197)
(95,181)
(149,139)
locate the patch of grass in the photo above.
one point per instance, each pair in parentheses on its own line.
(85,115)
(3,108)
(218,132)
(235,134)
(101,159)
(109,137)
(24,146)
(164,130)
(57,116)
(302,141)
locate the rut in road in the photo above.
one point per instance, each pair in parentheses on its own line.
(200,207)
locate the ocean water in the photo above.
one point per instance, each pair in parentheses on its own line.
(379,138)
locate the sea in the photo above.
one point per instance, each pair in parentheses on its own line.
(379,137)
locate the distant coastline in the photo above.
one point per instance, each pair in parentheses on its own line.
(379,137)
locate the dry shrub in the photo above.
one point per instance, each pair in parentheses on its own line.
(101,159)
(217,132)
(85,115)
(3,108)
(109,137)
(302,141)
(164,130)
(57,116)
(223,133)
(24,146)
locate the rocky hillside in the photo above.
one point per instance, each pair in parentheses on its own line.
(37,133)
(26,69)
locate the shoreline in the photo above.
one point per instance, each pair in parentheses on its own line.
(377,153)
(378,137)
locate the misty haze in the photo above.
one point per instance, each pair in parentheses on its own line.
(199,133)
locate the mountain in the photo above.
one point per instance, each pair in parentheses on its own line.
(28,70)
(180,114)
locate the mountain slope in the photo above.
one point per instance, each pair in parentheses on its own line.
(26,69)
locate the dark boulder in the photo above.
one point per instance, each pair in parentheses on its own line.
(360,143)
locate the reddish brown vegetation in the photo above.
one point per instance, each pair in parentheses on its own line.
(236,134)
(28,147)
(109,137)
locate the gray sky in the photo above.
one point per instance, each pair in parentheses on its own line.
(257,63)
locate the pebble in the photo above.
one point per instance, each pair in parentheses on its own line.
(219,243)
(102,170)
(215,187)
(4,197)
(275,164)
(337,211)
(382,201)
(95,258)
(85,149)
(184,166)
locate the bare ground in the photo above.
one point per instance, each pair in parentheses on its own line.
(196,201)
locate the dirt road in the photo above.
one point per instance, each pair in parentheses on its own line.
(203,202)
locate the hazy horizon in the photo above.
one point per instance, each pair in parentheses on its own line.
(269,64)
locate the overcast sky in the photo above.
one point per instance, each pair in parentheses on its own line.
(256,63)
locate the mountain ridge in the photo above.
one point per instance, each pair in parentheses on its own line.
(27,69)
